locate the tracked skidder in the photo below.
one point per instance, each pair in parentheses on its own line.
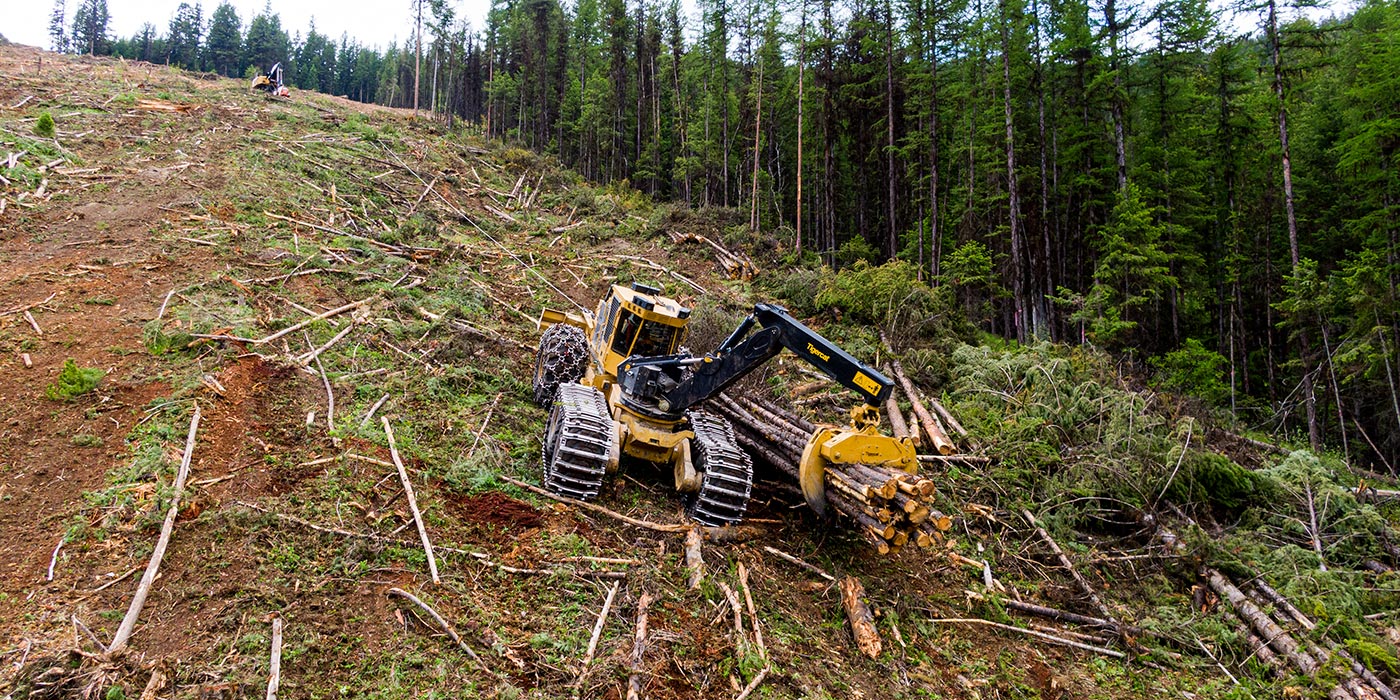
(618,383)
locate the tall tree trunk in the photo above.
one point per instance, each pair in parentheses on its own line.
(801,82)
(1304,341)
(1018,291)
(1120,149)
(1043,286)
(935,240)
(757,141)
(418,55)
(892,228)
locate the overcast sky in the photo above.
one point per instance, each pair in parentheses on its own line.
(373,22)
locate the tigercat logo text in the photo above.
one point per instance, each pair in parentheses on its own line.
(813,349)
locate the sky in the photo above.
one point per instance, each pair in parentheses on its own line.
(371,22)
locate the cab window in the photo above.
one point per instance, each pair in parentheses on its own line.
(655,339)
(627,325)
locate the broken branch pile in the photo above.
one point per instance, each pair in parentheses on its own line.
(890,507)
(737,265)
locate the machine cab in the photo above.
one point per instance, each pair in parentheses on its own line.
(637,321)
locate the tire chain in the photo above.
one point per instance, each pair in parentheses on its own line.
(727,472)
(578,443)
(562,358)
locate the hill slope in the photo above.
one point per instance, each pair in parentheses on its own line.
(172,216)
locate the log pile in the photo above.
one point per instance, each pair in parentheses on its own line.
(736,265)
(889,507)
(1266,615)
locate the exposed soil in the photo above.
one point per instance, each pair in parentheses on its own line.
(153,209)
(496,508)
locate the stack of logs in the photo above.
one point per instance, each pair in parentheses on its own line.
(891,508)
(736,265)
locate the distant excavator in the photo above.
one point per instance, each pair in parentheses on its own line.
(618,382)
(271,82)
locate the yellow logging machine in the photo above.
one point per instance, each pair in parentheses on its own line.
(618,383)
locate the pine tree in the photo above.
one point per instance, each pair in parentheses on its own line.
(57,22)
(182,39)
(266,43)
(1132,274)
(223,48)
(89,34)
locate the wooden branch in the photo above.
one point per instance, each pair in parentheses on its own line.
(736,608)
(639,643)
(274,673)
(308,357)
(1075,618)
(898,425)
(53,560)
(26,307)
(412,500)
(656,527)
(593,641)
(33,324)
(442,624)
(937,437)
(154,684)
(337,232)
(484,423)
(78,624)
(862,620)
(1047,637)
(943,459)
(128,625)
(947,417)
(936,434)
(421,196)
(372,410)
(1312,529)
(1257,646)
(1258,620)
(1268,630)
(330,396)
(693,560)
(114,581)
(1282,604)
(319,317)
(753,611)
(798,562)
(753,684)
(1068,565)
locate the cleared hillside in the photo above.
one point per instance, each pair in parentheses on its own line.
(171,224)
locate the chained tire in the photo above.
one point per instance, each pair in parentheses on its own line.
(578,442)
(726,472)
(562,358)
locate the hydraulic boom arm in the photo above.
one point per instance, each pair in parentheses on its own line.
(742,352)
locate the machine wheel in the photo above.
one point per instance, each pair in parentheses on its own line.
(562,358)
(726,472)
(577,442)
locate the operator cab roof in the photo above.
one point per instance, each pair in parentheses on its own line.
(649,300)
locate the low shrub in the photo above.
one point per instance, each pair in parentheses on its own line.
(74,381)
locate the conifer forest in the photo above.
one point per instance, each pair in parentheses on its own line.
(1211,192)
